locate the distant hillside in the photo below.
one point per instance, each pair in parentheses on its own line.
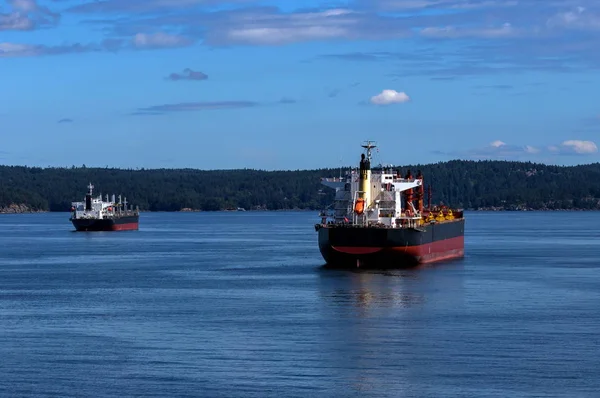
(468,184)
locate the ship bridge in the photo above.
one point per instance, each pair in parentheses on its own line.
(375,196)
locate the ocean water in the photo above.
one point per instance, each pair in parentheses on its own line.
(239,305)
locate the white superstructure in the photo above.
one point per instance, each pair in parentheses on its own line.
(96,208)
(380,196)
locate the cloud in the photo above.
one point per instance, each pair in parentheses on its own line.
(487,36)
(491,37)
(269,26)
(399,5)
(194,106)
(8,50)
(500,150)
(531,149)
(207,105)
(160,40)
(579,18)
(65,121)
(27,15)
(187,74)
(138,42)
(578,147)
(501,57)
(387,97)
(453,32)
(144,6)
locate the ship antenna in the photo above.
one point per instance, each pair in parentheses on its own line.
(368,146)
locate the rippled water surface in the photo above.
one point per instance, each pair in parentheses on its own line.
(238,304)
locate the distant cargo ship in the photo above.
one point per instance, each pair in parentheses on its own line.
(94,214)
(375,220)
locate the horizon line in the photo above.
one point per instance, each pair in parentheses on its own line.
(141,168)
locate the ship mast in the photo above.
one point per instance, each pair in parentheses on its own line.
(90,187)
(368,146)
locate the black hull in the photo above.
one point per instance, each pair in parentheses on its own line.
(371,246)
(126,223)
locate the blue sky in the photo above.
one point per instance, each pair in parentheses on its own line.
(297,84)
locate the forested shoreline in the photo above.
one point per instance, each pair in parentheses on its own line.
(472,185)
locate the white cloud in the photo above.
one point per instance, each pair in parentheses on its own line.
(265,27)
(17,50)
(160,39)
(580,147)
(281,35)
(501,150)
(387,97)
(580,18)
(531,149)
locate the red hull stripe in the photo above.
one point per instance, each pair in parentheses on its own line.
(431,252)
(436,251)
(125,227)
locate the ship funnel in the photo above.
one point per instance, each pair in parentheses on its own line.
(365,179)
(88,197)
(88,202)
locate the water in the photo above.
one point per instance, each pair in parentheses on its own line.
(239,305)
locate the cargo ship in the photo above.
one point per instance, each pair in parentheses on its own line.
(374,220)
(95,214)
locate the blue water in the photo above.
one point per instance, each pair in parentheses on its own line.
(239,305)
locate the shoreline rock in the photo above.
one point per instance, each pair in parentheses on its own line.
(14,208)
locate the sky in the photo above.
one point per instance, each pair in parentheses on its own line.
(223,84)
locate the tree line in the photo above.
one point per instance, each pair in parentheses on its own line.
(501,185)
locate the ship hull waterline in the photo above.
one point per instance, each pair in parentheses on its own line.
(130,223)
(391,247)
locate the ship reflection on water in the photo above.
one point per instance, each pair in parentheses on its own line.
(387,288)
(392,311)
(367,290)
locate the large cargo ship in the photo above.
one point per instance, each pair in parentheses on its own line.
(95,214)
(375,222)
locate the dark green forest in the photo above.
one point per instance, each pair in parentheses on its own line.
(477,185)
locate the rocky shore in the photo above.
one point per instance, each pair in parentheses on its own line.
(18,209)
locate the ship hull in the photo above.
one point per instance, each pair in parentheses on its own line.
(396,247)
(126,223)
